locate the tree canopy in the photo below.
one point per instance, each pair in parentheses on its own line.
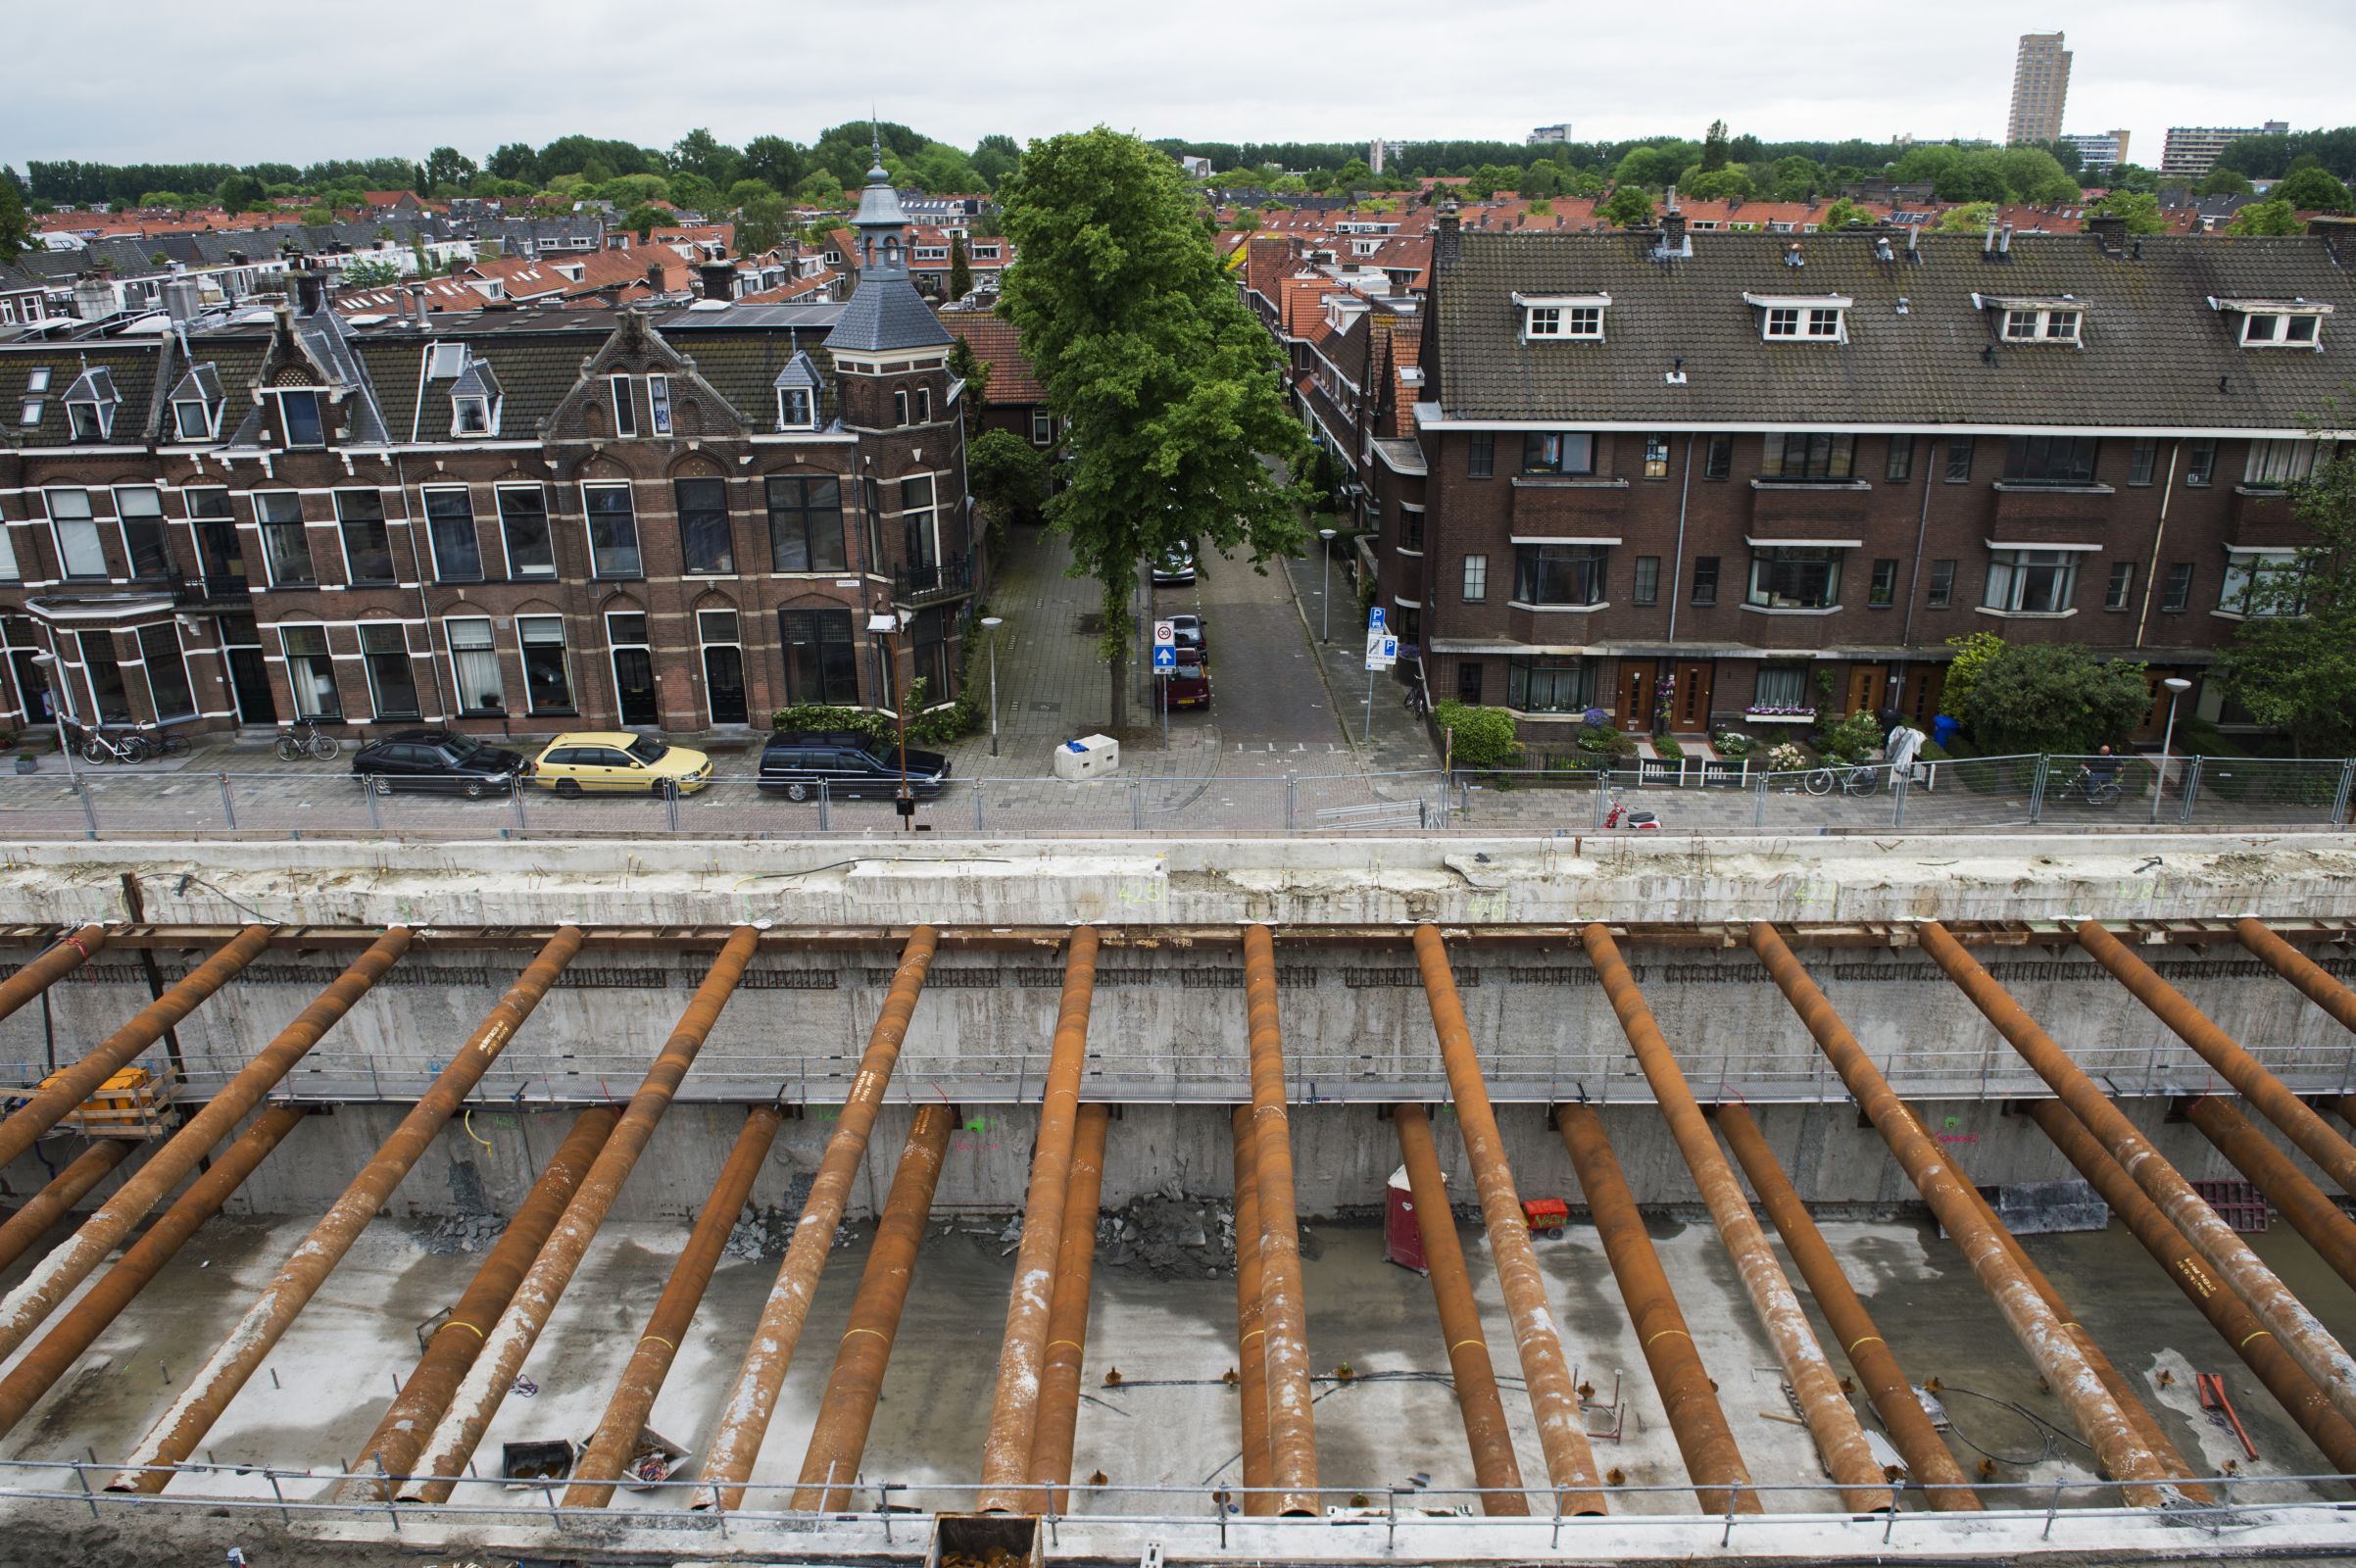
(1167,387)
(2292,662)
(2055,697)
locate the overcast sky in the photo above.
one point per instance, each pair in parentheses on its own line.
(241,80)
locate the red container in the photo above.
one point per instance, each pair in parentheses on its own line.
(1545,1213)
(1403,1236)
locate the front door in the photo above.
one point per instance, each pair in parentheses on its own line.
(1865,685)
(1637,698)
(634,685)
(1919,694)
(1689,700)
(249,681)
(724,684)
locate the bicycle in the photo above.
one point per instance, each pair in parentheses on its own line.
(163,743)
(304,738)
(1851,780)
(2090,788)
(98,747)
(1417,705)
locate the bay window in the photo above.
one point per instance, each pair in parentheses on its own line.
(1794,577)
(1560,574)
(1549,684)
(2264,582)
(1559,452)
(2029,582)
(2056,460)
(1808,456)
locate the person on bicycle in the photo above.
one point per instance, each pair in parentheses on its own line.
(2102,769)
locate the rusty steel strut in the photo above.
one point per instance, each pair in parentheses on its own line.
(604,1463)
(1929,1462)
(1712,1460)
(62,957)
(1545,1370)
(1283,1308)
(2272,1098)
(1496,1470)
(1251,1338)
(847,1410)
(1015,1401)
(1067,1319)
(487,1382)
(2299,1330)
(53,1355)
(182,1427)
(2291,964)
(425,1393)
(69,1087)
(745,1416)
(2227,1312)
(2108,1429)
(40,1292)
(44,1208)
(2309,1208)
(1831,1422)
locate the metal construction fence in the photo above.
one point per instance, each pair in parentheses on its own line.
(1980,793)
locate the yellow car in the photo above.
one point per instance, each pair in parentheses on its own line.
(583,760)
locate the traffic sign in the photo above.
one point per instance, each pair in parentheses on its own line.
(1382,650)
(1374,618)
(1166,634)
(1165,658)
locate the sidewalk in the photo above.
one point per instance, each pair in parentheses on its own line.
(1399,743)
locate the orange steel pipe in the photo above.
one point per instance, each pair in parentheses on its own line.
(44,1208)
(2040,1330)
(1014,1403)
(2272,1098)
(1546,1371)
(847,1410)
(604,1463)
(38,973)
(493,1374)
(1251,1338)
(2300,1332)
(2300,970)
(182,1427)
(40,1292)
(2307,1206)
(53,1355)
(69,1087)
(2227,1312)
(1067,1320)
(744,1417)
(1284,1310)
(1831,1422)
(1712,1460)
(1929,1462)
(1496,1470)
(425,1393)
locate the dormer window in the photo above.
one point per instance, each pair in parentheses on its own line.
(474,400)
(1556,317)
(299,418)
(90,405)
(196,405)
(2030,325)
(1803,318)
(796,409)
(2293,324)
(472,416)
(191,422)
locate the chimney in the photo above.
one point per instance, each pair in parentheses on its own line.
(1987,241)
(720,279)
(310,290)
(93,298)
(653,276)
(2109,231)
(2004,241)
(416,305)
(180,299)
(1448,240)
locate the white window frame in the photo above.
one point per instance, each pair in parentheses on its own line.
(658,404)
(1783,320)
(589,538)
(285,429)
(367,669)
(1803,317)
(1476,577)
(507,560)
(297,690)
(433,543)
(2244,570)
(1562,318)
(57,539)
(1043,428)
(2278,465)
(563,641)
(809,408)
(2013,565)
(490,646)
(625,408)
(485,414)
(207,423)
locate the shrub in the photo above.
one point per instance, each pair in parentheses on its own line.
(1786,756)
(820,717)
(1733,743)
(1973,656)
(1483,736)
(1668,751)
(1852,739)
(2055,697)
(1605,739)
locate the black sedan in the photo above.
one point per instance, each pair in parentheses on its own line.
(437,759)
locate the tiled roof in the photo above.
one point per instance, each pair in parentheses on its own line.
(2155,353)
(887,313)
(997,344)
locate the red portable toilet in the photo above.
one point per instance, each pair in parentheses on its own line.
(1403,1236)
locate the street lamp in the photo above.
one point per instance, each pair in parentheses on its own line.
(885,623)
(2177,687)
(1325,586)
(991,623)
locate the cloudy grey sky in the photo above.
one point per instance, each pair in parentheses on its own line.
(246,79)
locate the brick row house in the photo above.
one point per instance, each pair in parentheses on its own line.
(516,521)
(1729,479)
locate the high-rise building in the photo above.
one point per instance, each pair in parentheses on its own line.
(2102,149)
(2041,81)
(2192,150)
(1548,133)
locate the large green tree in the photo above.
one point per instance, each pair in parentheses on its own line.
(974,371)
(16,230)
(2265,217)
(961,270)
(2055,697)
(1007,476)
(2292,663)
(2313,190)
(2140,210)
(1167,387)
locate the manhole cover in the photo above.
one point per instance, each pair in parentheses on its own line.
(1091,623)
(1047,708)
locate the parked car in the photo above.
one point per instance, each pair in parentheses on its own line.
(1174,566)
(1188,686)
(437,759)
(795,763)
(1189,632)
(583,760)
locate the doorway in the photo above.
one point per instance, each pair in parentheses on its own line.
(1689,698)
(634,685)
(723,666)
(1866,683)
(1919,694)
(1637,698)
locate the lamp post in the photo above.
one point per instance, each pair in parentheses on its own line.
(1325,587)
(2177,687)
(884,622)
(991,623)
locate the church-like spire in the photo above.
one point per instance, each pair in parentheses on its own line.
(880,221)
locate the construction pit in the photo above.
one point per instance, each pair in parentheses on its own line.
(1818,1200)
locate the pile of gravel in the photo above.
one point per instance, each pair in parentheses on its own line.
(765,1232)
(1175,1235)
(462,1233)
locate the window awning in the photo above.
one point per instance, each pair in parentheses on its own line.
(1810,544)
(1565,539)
(2033,544)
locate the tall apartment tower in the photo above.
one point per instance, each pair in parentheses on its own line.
(2040,80)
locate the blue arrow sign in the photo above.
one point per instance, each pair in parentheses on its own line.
(1166,658)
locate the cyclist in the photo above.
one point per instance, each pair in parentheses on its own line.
(2102,769)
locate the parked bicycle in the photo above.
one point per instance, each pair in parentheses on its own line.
(98,747)
(1849,780)
(304,738)
(165,743)
(2091,788)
